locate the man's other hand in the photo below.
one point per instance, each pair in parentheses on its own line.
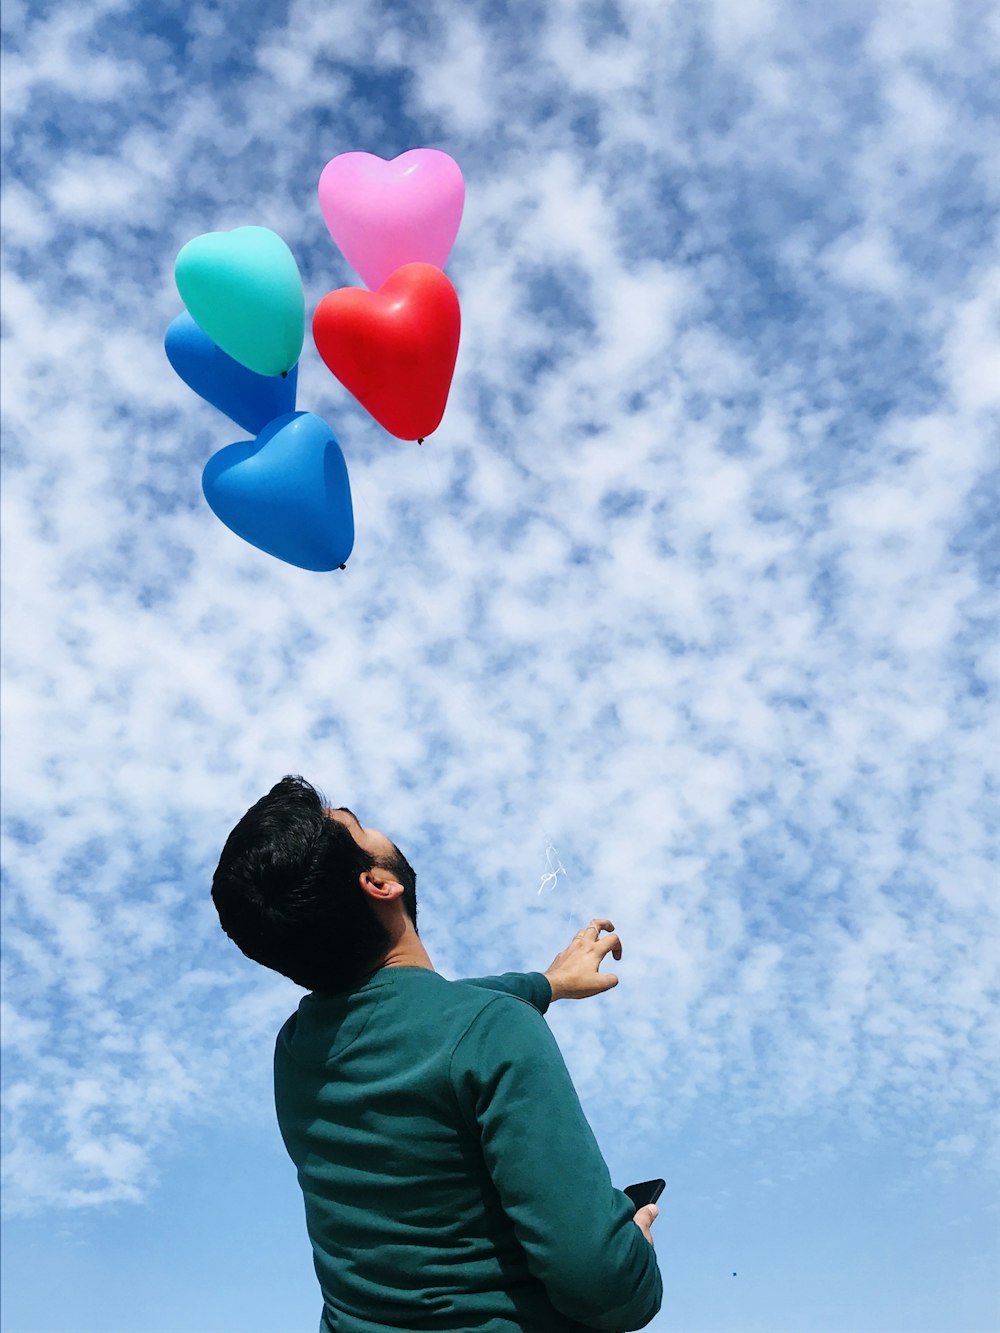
(573,974)
(645,1218)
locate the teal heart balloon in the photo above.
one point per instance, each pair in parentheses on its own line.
(243,289)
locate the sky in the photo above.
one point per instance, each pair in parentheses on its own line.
(694,589)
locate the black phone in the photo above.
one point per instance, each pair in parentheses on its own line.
(647,1191)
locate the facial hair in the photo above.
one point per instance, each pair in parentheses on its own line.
(401,871)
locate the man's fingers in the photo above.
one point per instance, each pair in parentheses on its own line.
(610,944)
(645,1218)
(599,923)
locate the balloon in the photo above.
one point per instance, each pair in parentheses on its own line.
(243,289)
(249,399)
(387,214)
(394,349)
(287,492)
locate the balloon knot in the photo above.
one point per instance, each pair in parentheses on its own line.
(421,440)
(284,374)
(343,566)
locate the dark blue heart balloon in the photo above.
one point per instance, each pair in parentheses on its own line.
(287,492)
(249,399)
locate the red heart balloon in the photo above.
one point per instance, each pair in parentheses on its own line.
(394,349)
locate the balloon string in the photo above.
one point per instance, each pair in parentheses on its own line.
(553,867)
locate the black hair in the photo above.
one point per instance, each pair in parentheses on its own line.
(287,892)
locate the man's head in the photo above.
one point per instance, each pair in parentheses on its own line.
(297,885)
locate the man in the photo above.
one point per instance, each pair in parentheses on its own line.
(451,1179)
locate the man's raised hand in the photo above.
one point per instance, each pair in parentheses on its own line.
(573,974)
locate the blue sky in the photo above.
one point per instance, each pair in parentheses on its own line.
(696,581)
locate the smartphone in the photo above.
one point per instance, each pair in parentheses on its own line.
(647,1191)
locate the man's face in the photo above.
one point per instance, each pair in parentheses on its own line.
(384,852)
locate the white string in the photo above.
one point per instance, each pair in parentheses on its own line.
(553,867)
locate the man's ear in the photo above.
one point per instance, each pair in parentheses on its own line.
(370,880)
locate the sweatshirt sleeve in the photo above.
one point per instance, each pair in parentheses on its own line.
(576,1229)
(531,986)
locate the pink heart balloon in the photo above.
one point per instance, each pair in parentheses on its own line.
(385,214)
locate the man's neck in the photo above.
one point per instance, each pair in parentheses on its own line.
(409,952)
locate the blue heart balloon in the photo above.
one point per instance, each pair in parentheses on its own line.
(287,492)
(249,399)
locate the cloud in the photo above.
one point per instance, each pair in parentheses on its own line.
(694,580)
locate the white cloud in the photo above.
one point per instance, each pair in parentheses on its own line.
(55,57)
(868,261)
(461,63)
(665,587)
(972,347)
(907,28)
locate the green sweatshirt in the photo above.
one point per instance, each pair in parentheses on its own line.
(451,1179)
